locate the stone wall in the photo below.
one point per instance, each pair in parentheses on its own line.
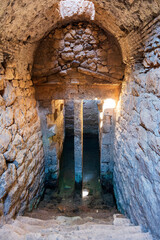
(79,53)
(137,141)
(52,127)
(21,150)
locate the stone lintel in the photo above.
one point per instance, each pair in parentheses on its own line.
(77,92)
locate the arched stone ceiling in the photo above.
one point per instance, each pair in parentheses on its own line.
(28,20)
(25,22)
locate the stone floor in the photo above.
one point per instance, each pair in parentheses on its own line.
(72,228)
(73,218)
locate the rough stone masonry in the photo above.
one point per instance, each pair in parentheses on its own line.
(136,27)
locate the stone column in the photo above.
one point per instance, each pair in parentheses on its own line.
(52,127)
(78,139)
(107,138)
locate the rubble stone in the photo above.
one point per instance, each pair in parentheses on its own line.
(3,166)
(5,138)
(67,56)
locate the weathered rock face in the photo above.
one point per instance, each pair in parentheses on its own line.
(21,150)
(137,142)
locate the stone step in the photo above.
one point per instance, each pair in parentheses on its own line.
(71,228)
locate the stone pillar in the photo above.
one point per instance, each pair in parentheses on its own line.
(107,138)
(52,126)
(78,139)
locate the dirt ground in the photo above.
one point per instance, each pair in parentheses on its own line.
(52,205)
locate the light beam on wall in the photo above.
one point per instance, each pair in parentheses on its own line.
(85,193)
(72,8)
(101,115)
(109,103)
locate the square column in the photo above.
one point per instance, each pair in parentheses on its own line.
(107,139)
(78,139)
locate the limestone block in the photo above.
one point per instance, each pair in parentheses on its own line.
(9,74)
(147,120)
(87,46)
(3,166)
(22,84)
(103,69)
(152,81)
(85,37)
(1,83)
(7,179)
(80,31)
(67,56)
(88,31)
(32,140)
(80,56)
(20,169)
(67,49)
(2,102)
(75,63)
(63,73)
(8,116)
(67,44)
(68,37)
(30,102)
(28,83)
(20,158)
(31,115)
(19,118)
(72,45)
(92,66)
(78,48)
(11,153)
(9,94)
(85,64)
(13,130)
(5,138)
(154,143)
(15,83)
(26,132)
(18,141)
(61,61)
(11,198)
(72,32)
(91,54)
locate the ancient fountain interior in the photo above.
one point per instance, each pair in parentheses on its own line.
(79,108)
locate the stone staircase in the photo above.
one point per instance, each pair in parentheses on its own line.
(72,228)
